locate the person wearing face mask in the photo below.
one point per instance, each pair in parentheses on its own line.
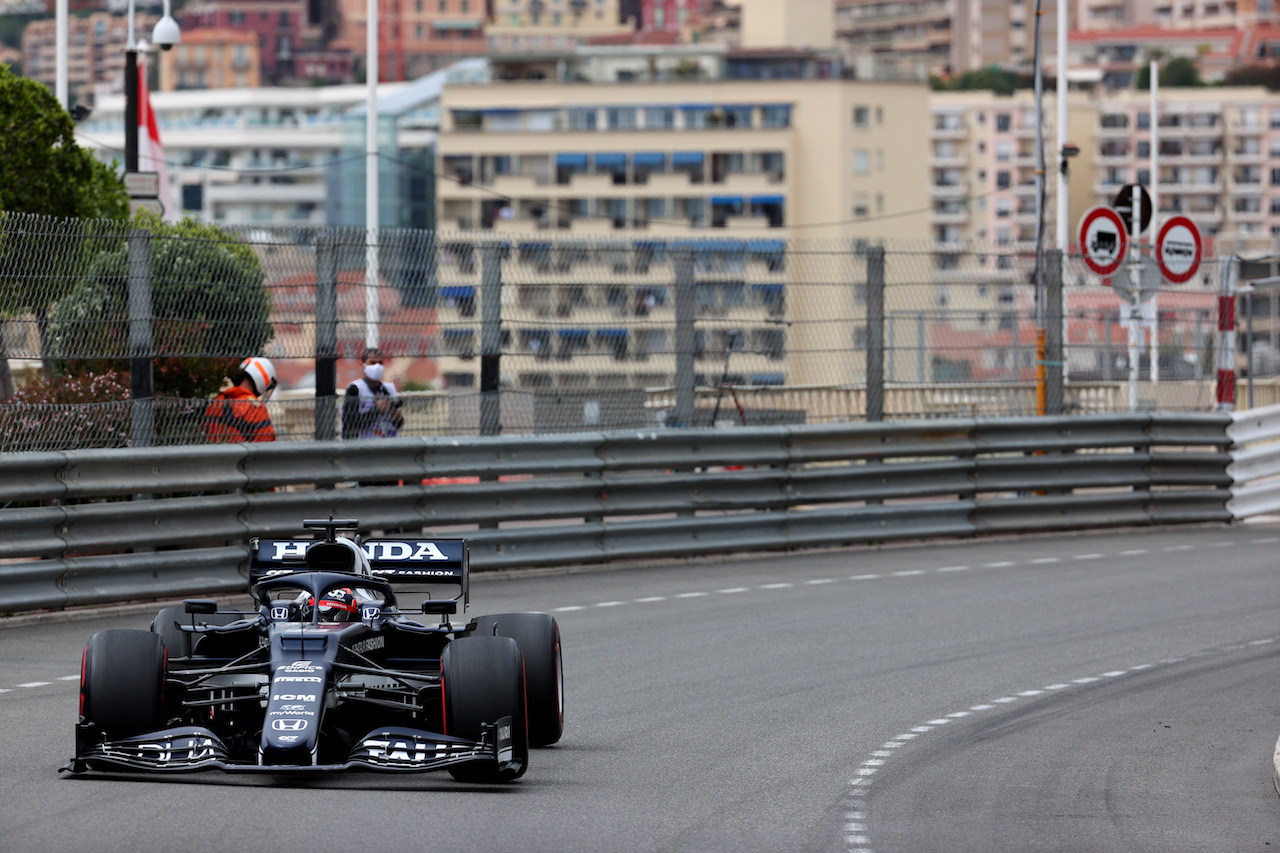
(371,408)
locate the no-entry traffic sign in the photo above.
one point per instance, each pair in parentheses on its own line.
(1179,249)
(1103,240)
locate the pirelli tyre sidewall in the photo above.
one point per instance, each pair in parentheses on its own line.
(122,683)
(482,679)
(539,637)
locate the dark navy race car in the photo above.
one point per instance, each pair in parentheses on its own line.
(327,673)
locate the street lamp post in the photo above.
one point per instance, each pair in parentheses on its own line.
(141,378)
(165,35)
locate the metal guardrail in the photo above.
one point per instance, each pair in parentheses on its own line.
(111,525)
(1255,462)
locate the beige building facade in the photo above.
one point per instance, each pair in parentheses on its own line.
(983,165)
(1218,158)
(921,37)
(95,51)
(211,59)
(523,25)
(739,171)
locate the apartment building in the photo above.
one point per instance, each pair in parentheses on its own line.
(1100,15)
(921,37)
(95,51)
(416,37)
(1218,157)
(282,28)
(242,156)
(983,165)
(211,59)
(1115,57)
(523,25)
(628,154)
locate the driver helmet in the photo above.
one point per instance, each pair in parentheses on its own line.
(338,605)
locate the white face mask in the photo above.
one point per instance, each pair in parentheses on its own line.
(374,371)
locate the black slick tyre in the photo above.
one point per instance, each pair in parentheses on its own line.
(122,683)
(539,637)
(483,681)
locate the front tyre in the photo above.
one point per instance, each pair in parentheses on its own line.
(122,683)
(539,639)
(483,680)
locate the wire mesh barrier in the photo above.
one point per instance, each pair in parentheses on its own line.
(578,334)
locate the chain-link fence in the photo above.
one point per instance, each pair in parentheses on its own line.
(573,333)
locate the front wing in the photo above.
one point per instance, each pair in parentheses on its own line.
(191,749)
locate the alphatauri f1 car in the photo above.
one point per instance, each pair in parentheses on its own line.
(328,673)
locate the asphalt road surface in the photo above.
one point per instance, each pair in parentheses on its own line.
(1083,692)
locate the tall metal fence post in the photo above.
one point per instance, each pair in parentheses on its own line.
(491,254)
(1053,343)
(142,431)
(875,333)
(326,337)
(920,327)
(685,338)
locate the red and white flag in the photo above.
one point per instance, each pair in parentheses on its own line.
(150,151)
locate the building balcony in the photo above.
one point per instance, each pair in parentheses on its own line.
(517,185)
(955,189)
(1186,159)
(1204,217)
(748,226)
(1104,160)
(236,193)
(955,161)
(960,132)
(1024,131)
(1246,157)
(948,217)
(1192,187)
(1248,215)
(1190,131)
(1238,187)
(521,225)
(1026,189)
(582,184)
(749,182)
(663,183)
(1114,132)
(1107,188)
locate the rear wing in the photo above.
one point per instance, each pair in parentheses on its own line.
(401,561)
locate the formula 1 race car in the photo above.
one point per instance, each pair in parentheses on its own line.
(327,673)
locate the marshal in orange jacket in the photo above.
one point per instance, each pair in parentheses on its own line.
(236,415)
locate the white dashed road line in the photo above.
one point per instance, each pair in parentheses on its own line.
(859,786)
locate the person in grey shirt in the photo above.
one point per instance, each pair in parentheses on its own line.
(371,408)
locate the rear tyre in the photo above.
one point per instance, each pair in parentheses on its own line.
(179,642)
(483,680)
(539,639)
(122,683)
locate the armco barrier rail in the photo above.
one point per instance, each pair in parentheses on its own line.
(1255,462)
(91,526)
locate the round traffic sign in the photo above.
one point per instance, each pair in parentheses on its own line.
(1103,240)
(1178,249)
(1123,205)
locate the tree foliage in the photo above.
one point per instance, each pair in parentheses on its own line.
(45,171)
(992,78)
(209,302)
(1178,73)
(1254,75)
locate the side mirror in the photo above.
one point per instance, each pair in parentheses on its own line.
(200,605)
(444,607)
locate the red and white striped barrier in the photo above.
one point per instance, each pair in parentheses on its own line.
(1226,397)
